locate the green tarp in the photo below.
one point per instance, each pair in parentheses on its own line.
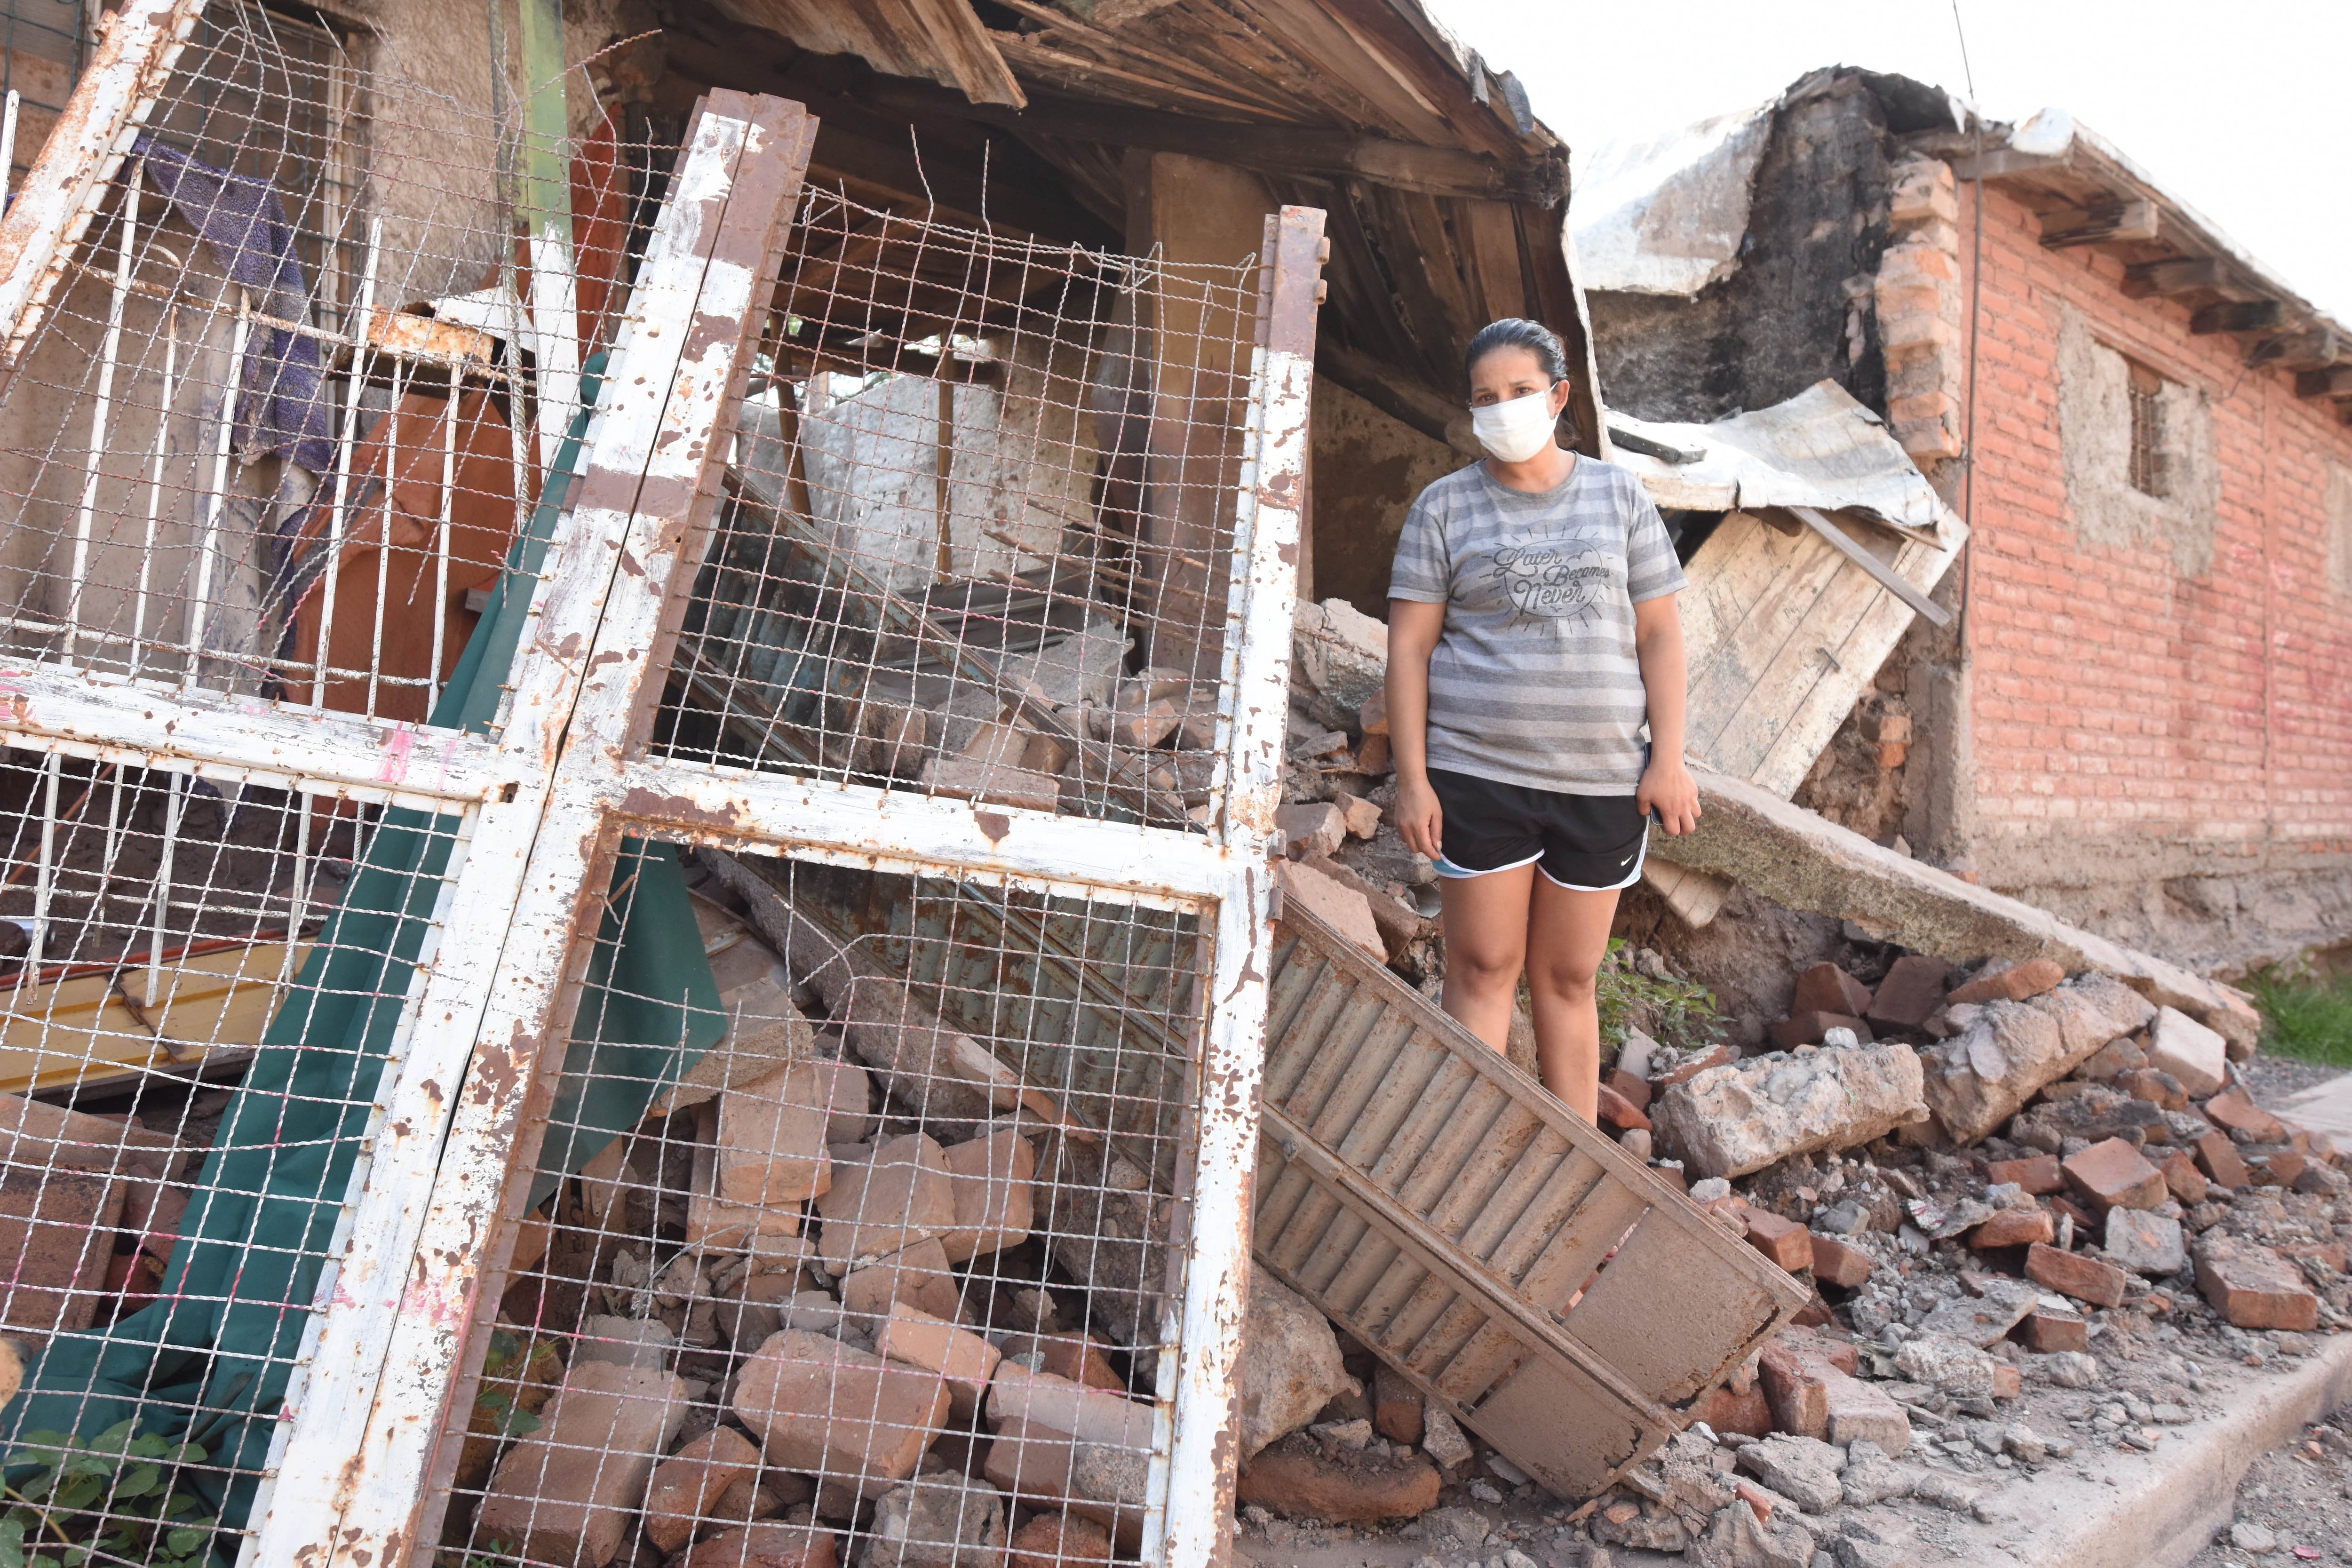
(208,1361)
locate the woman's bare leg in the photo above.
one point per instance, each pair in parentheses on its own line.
(1485,924)
(1568,939)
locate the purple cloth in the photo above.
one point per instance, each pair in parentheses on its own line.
(283,402)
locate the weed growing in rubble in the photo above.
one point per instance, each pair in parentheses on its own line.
(108,1500)
(1664,1006)
(2304,1014)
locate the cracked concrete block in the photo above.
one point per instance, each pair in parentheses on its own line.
(1731,1119)
(953,1522)
(1985,1074)
(2197,1056)
(1803,1468)
(1290,1363)
(2145,1243)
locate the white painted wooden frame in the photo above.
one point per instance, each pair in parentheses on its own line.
(539,811)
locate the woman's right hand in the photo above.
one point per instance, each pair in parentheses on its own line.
(1419,821)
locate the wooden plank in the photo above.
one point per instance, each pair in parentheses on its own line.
(1492,240)
(2104,222)
(1814,719)
(1805,660)
(1880,571)
(1655,1293)
(2238,316)
(1801,571)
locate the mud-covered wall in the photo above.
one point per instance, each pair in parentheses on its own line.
(1797,309)
(1368,467)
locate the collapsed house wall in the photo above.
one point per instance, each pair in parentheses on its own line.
(1368,467)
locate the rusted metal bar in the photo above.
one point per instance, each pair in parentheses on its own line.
(355,1489)
(1215,1254)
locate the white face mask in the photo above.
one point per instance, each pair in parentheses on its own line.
(1516,430)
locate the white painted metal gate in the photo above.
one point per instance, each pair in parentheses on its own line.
(122,685)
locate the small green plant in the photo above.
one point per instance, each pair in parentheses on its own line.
(1673,1011)
(2306,1014)
(508,1355)
(110,1498)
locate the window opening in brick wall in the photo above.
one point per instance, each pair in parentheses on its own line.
(2148,465)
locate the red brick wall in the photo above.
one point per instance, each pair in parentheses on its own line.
(2129,724)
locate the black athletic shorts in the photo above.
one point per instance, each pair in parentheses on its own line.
(1587,843)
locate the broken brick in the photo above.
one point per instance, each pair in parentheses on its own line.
(1314,830)
(2182,1176)
(1835,1263)
(56,1233)
(992,1180)
(1810,1027)
(2234,1112)
(2072,1274)
(2020,1227)
(847,1096)
(2156,1086)
(1091,1414)
(1397,1406)
(545,1504)
(901,1193)
(2048,1330)
(772,1151)
(1073,1356)
(1784,1241)
(2038,1175)
(1634,1088)
(1618,1112)
(2219,1159)
(1296,1479)
(772,1543)
(2112,1175)
(2011,983)
(2277,1168)
(1362,816)
(1826,988)
(2253,1286)
(1809,1381)
(963,1358)
(917,1275)
(1046,1467)
(690,1481)
(2007,1381)
(1060,1540)
(1912,991)
(822,1407)
(1727,1413)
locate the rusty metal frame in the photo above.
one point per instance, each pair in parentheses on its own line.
(540,809)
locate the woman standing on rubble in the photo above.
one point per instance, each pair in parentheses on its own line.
(1532,642)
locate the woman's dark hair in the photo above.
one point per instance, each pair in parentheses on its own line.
(1517,332)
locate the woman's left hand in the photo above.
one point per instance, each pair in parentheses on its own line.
(1668,789)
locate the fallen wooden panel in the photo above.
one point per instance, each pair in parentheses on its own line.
(1481,1238)
(92,1024)
(1798,859)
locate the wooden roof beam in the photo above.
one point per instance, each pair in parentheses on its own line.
(2102,223)
(2238,316)
(2184,275)
(2335,381)
(1277,149)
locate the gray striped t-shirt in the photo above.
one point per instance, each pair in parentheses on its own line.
(1534,680)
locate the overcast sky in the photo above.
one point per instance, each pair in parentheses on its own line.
(2229,108)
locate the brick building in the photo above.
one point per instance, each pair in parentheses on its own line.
(2141,717)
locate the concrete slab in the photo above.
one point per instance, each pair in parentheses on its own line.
(2326,1108)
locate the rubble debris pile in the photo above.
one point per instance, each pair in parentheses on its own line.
(824,1313)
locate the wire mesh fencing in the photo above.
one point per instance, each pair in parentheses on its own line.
(201,990)
(882,1272)
(278,428)
(979,537)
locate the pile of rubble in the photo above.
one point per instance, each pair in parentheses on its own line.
(2041,1218)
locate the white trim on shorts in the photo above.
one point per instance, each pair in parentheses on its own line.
(1463,873)
(1632,876)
